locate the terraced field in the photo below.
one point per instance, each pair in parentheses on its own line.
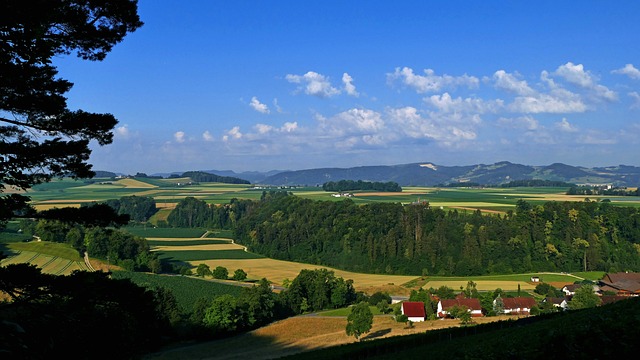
(49,264)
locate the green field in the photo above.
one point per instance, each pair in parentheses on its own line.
(187,290)
(166,192)
(49,264)
(186,242)
(153,232)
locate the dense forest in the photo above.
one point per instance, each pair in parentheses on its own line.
(417,239)
(350,185)
(199,176)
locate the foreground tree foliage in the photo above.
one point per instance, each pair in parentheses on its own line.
(40,137)
(78,315)
(360,320)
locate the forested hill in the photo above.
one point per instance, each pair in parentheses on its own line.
(417,239)
(429,174)
(199,176)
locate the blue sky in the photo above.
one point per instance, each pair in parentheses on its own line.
(265,85)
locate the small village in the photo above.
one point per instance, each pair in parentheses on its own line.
(611,288)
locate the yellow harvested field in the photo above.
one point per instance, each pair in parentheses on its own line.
(65,201)
(470,204)
(302,333)
(278,270)
(482,285)
(136,184)
(166,206)
(42,207)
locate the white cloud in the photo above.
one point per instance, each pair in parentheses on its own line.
(526,122)
(347,80)
(575,74)
(258,106)
(358,121)
(636,99)
(407,121)
(314,84)
(430,82)
(207,136)
(179,136)
(262,128)
(565,126)
(289,127)
(234,133)
(123,131)
(544,103)
(445,103)
(510,82)
(628,70)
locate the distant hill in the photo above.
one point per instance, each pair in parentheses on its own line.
(105,174)
(429,174)
(200,176)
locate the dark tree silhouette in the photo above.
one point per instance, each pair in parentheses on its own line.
(40,137)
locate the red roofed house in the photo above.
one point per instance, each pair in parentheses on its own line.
(414,310)
(622,283)
(472,304)
(516,305)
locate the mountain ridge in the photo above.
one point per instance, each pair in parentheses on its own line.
(432,174)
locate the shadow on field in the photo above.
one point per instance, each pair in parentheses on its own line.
(376,334)
(243,346)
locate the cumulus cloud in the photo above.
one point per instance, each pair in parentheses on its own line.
(575,74)
(207,136)
(358,121)
(179,136)
(289,127)
(123,131)
(628,70)
(314,84)
(347,80)
(447,130)
(560,102)
(430,82)
(511,83)
(258,106)
(234,133)
(564,125)
(445,103)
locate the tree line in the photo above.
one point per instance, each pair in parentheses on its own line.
(602,190)
(418,239)
(350,185)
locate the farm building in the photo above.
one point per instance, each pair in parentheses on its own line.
(622,283)
(558,302)
(473,306)
(414,310)
(535,279)
(515,305)
(570,290)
